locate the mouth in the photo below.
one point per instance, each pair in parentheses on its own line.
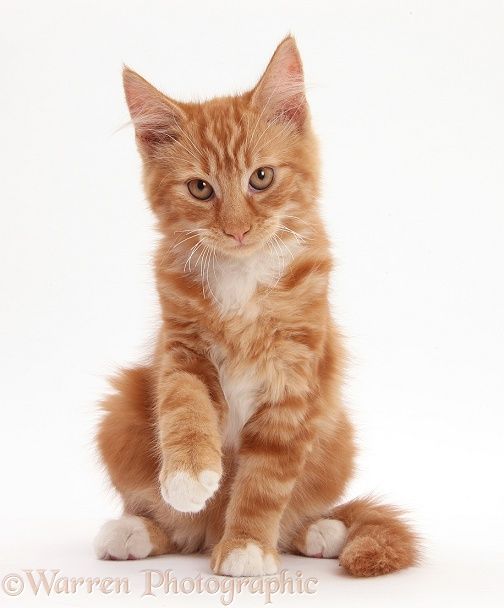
(238,248)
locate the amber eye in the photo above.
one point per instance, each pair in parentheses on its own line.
(200,189)
(262,178)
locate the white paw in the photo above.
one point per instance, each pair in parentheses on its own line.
(186,493)
(325,538)
(248,561)
(125,538)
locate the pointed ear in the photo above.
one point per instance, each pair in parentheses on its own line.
(280,93)
(156,118)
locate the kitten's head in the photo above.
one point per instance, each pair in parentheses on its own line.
(232,171)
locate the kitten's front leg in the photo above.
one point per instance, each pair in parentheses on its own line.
(188,423)
(272,453)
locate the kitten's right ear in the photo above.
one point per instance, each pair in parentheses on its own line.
(156,118)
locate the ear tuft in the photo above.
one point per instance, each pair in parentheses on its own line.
(281,90)
(156,117)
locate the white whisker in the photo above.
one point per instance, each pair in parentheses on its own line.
(202,269)
(192,230)
(280,241)
(200,255)
(211,256)
(193,251)
(192,236)
(299,237)
(280,263)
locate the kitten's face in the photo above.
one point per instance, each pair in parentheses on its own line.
(228,173)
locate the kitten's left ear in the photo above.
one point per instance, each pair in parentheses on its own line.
(280,93)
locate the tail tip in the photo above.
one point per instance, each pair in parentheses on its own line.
(366,556)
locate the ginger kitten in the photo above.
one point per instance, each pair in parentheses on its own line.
(234,439)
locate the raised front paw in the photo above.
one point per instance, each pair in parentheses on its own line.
(243,557)
(187,493)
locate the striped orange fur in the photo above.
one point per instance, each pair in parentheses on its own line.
(234,438)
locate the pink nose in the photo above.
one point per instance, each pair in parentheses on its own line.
(238,236)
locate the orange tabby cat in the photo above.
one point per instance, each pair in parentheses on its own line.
(234,438)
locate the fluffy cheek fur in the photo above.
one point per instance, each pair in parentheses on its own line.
(234,438)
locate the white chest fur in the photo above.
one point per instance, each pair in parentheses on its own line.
(233,282)
(241,391)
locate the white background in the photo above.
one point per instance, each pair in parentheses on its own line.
(407,97)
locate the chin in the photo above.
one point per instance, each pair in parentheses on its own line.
(240,251)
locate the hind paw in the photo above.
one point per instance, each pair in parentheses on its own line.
(125,538)
(325,538)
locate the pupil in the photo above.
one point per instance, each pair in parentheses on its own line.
(201,185)
(261,174)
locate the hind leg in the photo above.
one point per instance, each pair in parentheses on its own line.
(309,527)
(369,538)
(131,537)
(127,445)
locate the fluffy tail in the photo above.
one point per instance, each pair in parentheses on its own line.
(379,540)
